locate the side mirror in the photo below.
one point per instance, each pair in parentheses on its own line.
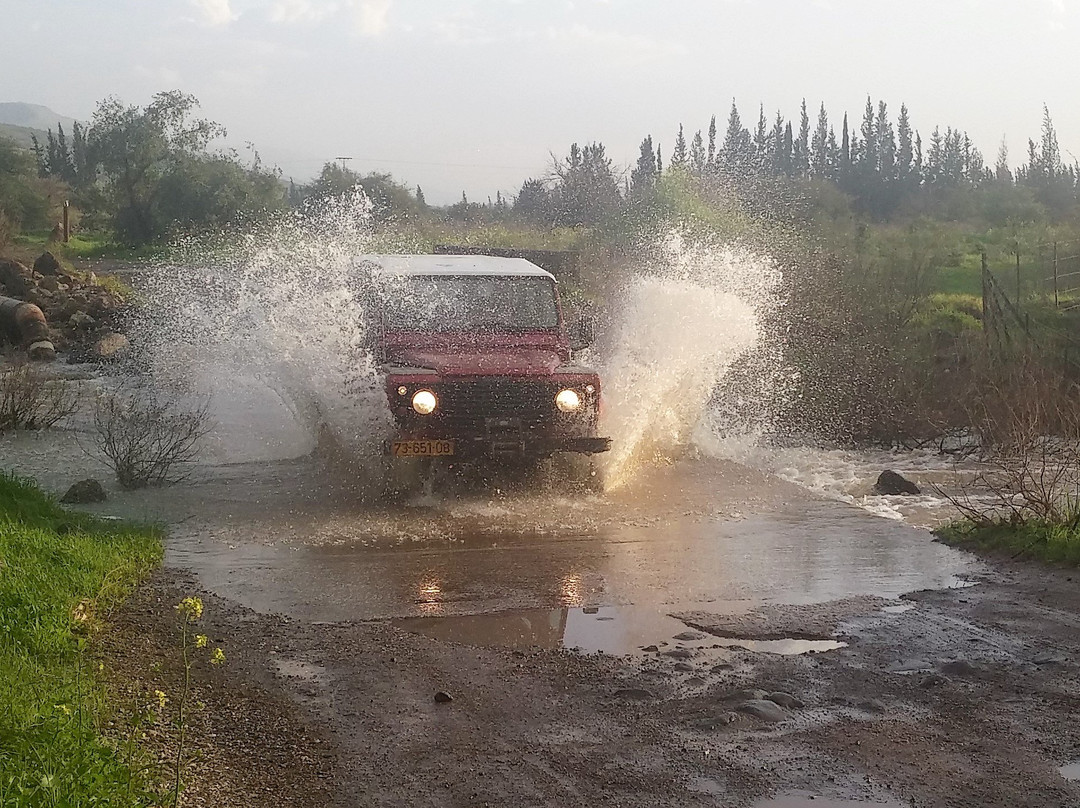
(581,334)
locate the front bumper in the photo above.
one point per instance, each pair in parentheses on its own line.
(500,438)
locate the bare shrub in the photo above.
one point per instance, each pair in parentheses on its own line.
(1027,419)
(31,400)
(145,438)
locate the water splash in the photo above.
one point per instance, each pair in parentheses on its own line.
(268,327)
(689,316)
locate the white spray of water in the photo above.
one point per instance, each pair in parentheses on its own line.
(686,319)
(269,327)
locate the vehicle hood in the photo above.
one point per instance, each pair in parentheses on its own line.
(482,360)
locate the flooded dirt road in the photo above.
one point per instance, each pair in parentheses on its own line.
(761,645)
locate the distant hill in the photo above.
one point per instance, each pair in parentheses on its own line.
(22,135)
(32,116)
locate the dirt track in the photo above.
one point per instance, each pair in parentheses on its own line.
(967,698)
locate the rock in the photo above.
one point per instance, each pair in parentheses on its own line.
(442,697)
(112,347)
(679,653)
(48,264)
(84,492)
(746,695)
(683,667)
(81,320)
(785,700)
(49,283)
(15,278)
(933,680)
(688,636)
(889,483)
(634,694)
(764,710)
(959,667)
(650,649)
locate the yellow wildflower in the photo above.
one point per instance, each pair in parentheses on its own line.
(190,609)
(162,699)
(217,657)
(201,640)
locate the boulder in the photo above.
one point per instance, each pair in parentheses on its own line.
(16,279)
(81,320)
(48,264)
(889,483)
(111,347)
(84,492)
(763,710)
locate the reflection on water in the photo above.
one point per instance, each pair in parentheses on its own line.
(603,629)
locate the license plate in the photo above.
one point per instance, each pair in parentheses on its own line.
(422,448)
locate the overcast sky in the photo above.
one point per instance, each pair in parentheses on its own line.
(474,95)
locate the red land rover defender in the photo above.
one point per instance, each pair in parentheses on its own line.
(478,360)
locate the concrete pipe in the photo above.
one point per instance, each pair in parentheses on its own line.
(25,324)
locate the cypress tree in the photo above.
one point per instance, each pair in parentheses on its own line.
(819,146)
(801,146)
(711,156)
(678,156)
(698,157)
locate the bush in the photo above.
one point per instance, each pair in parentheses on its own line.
(146,439)
(29,400)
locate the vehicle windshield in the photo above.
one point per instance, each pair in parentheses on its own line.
(456,303)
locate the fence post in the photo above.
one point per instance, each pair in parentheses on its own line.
(1018,276)
(986,308)
(1055,275)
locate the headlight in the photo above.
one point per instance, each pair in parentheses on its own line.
(424,402)
(568,401)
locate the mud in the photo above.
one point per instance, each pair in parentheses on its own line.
(947,681)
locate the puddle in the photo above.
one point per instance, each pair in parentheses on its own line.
(812,801)
(1071,771)
(605,629)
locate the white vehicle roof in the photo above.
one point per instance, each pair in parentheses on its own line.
(454,265)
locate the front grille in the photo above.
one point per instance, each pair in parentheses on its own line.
(527,399)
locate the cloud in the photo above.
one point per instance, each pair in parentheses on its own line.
(630,47)
(301,11)
(370,16)
(214,12)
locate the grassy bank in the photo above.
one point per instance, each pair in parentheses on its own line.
(1045,541)
(60,572)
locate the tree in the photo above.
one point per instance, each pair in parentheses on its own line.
(819,146)
(644,174)
(698,157)
(735,154)
(678,156)
(905,148)
(533,203)
(137,147)
(24,201)
(586,190)
(710,157)
(1001,170)
(800,155)
(421,201)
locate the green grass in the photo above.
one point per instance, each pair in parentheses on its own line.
(59,573)
(87,246)
(1045,541)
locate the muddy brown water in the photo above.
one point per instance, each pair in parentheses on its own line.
(543,567)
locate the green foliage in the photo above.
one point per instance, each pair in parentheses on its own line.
(24,201)
(158,175)
(1055,543)
(58,572)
